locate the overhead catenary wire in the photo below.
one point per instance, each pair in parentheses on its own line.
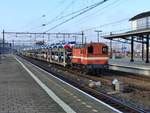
(33,21)
(68,6)
(105,7)
(58,17)
(88,9)
(37,19)
(67,15)
(99,10)
(107,24)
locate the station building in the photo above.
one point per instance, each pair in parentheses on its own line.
(141,21)
(139,33)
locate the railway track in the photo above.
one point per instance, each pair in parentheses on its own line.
(99,95)
(107,77)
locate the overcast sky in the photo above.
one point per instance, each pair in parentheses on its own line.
(26,15)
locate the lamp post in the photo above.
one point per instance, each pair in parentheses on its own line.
(3,42)
(98,34)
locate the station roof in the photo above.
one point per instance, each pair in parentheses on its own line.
(141,15)
(128,34)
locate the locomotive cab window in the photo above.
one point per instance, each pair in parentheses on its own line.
(90,50)
(105,50)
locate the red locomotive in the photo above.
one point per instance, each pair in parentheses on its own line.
(91,57)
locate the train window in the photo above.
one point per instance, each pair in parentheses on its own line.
(105,50)
(90,49)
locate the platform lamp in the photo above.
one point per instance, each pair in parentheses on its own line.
(98,34)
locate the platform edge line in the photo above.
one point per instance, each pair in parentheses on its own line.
(114,109)
(62,104)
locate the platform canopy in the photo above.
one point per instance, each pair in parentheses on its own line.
(139,36)
(127,35)
(140,32)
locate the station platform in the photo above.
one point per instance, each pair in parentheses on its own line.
(138,67)
(19,93)
(25,88)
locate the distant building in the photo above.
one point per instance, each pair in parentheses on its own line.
(140,21)
(5,48)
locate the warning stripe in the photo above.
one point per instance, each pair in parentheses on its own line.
(91,58)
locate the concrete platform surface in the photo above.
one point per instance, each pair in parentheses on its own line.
(77,100)
(138,63)
(25,88)
(124,64)
(19,93)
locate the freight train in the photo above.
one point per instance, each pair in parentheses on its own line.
(90,57)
